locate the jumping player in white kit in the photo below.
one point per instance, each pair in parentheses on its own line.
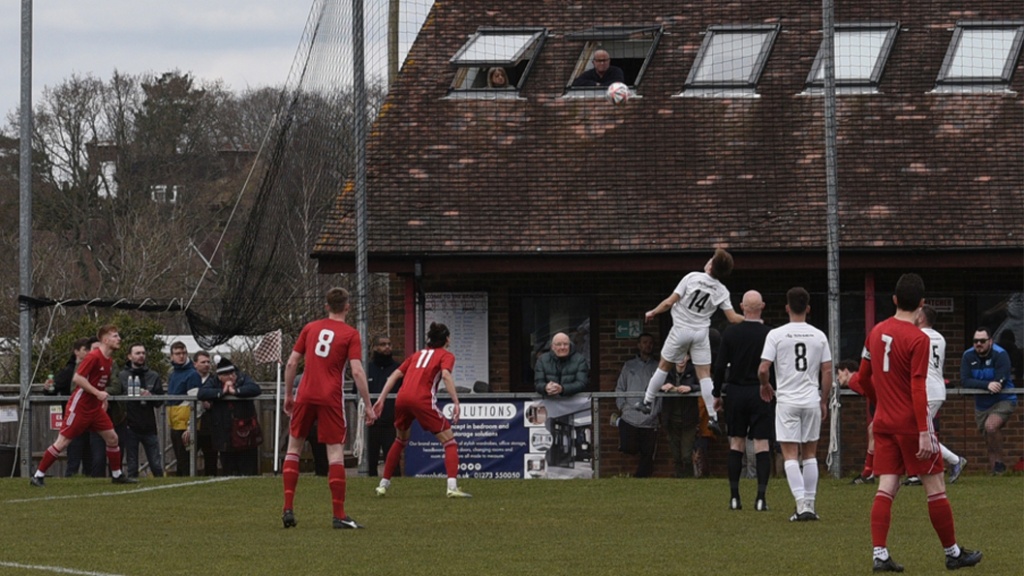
(693,302)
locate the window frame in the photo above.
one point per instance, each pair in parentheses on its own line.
(952,52)
(463,67)
(523,352)
(753,79)
(594,39)
(881,57)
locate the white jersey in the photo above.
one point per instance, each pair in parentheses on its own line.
(936,384)
(797,349)
(699,296)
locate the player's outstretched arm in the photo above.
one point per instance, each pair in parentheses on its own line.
(395,376)
(664,306)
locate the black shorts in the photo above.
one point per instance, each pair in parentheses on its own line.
(746,415)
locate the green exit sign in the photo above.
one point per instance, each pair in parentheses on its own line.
(625,329)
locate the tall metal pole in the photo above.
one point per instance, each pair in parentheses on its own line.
(25,231)
(359,131)
(832,225)
(394,22)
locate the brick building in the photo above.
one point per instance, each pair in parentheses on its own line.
(571,213)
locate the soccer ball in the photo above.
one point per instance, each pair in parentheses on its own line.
(618,93)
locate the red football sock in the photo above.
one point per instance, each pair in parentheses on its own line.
(49,457)
(114,458)
(941,514)
(290,473)
(881,517)
(869,465)
(451,458)
(394,456)
(336,480)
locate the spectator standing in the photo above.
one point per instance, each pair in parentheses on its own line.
(603,72)
(692,303)
(423,372)
(802,359)
(561,371)
(86,409)
(747,415)
(380,435)
(986,366)
(79,454)
(638,431)
(183,378)
(327,345)
(681,415)
(141,418)
(893,373)
(204,435)
(229,400)
(936,387)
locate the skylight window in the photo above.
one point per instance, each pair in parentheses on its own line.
(496,59)
(732,57)
(861,51)
(629,47)
(982,53)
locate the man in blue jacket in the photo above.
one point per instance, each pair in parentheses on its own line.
(986,366)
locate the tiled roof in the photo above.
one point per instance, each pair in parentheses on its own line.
(917,170)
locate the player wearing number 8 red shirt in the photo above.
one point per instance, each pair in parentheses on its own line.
(693,302)
(893,371)
(327,345)
(421,375)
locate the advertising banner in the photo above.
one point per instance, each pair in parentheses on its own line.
(511,439)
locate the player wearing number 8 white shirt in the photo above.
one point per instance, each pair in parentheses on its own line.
(936,386)
(693,302)
(802,358)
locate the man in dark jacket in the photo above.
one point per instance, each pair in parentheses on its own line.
(561,371)
(381,434)
(230,397)
(141,417)
(79,453)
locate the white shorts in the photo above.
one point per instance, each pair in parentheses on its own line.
(683,342)
(933,409)
(798,424)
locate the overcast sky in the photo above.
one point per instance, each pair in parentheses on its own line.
(246,43)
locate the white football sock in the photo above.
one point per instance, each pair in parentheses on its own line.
(657,381)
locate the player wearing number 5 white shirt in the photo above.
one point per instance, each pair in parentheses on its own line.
(693,302)
(802,359)
(936,387)
(326,345)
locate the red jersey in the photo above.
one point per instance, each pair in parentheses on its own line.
(96,368)
(422,374)
(893,371)
(327,345)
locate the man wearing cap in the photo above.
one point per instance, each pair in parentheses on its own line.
(228,397)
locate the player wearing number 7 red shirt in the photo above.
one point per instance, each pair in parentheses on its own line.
(693,302)
(327,346)
(422,374)
(893,371)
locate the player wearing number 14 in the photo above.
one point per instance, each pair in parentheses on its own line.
(327,346)
(693,302)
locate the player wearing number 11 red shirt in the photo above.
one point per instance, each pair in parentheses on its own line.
(327,345)
(421,375)
(893,371)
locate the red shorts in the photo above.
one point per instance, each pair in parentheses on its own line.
(77,423)
(330,422)
(428,415)
(897,454)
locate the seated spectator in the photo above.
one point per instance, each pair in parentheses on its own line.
(497,78)
(560,371)
(602,74)
(228,398)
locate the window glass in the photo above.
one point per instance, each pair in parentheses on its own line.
(732,57)
(630,50)
(544,316)
(496,60)
(860,55)
(982,53)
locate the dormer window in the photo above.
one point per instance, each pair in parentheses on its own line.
(731,60)
(981,56)
(495,61)
(612,54)
(861,51)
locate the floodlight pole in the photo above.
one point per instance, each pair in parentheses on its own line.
(359,132)
(25,235)
(832,221)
